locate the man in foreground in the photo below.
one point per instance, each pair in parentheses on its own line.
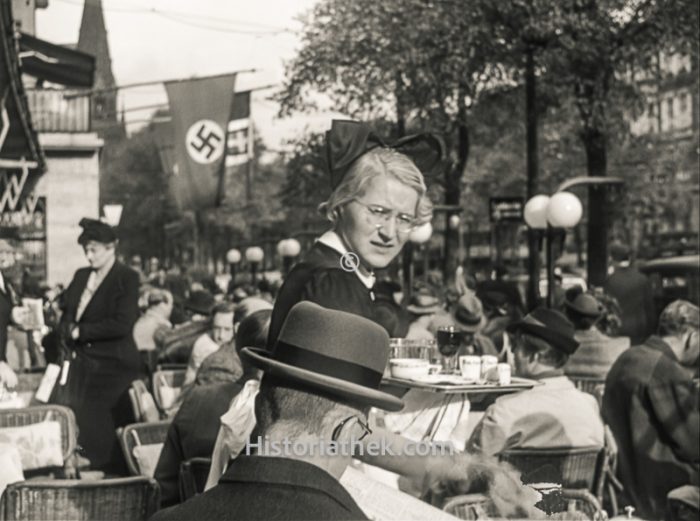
(320,381)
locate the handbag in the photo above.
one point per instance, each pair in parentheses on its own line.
(70,390)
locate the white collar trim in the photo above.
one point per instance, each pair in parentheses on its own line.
(332,240)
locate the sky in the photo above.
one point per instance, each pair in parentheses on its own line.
(153,40)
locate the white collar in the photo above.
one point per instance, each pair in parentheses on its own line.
(332,240)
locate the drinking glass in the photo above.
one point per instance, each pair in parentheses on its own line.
(449,340)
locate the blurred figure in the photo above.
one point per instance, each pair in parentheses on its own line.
(388,312)
(423,307)
(651,405)
(136,265)
(155,321)
(554,414)
(8,300)
(220,333)
(499,315)
(597,351)
(633,292)
(176,345)
(469,318)
(193,432)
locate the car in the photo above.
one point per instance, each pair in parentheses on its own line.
(673,278)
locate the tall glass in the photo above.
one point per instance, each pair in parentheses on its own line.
(449,340)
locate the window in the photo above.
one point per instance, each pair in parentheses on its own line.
(670,108)
(683,103)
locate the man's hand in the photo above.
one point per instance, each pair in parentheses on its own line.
(7,376)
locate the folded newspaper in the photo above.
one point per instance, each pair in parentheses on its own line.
(380,502)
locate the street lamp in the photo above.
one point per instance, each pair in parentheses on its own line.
(233,257)
(112,214)
(561,211)
(254,256)
(288,249)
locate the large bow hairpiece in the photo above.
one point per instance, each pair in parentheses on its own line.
(347,140)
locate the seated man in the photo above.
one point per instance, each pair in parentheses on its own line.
(220,333)
(193,432)
(597,351)
(553,414)
(651,405)
(320,381)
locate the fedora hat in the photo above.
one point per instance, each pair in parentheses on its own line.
(330,352)
(469,313)
(201,302)
(549,325)
(423,302)
(585,305)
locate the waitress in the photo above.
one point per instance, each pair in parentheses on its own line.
(100,309)
(378,196)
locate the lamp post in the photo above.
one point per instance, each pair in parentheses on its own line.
(254,256)
(112,214)
(288,249)
(233,257)
(561,211)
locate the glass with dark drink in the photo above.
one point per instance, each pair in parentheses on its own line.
(449,340)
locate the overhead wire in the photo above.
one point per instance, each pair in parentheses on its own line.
(204,22)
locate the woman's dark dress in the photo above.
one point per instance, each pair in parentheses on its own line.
(319,278)
(106,362)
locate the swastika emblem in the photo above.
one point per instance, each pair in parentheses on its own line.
(205,141)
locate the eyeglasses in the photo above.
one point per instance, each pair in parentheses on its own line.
(379,216)
(339,428)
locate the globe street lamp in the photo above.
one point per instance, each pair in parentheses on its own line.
(233,257)
(560,211)
(288,249)
(254,256)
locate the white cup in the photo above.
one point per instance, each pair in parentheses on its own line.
(489,362)
(470,367)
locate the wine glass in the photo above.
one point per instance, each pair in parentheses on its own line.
(449,340)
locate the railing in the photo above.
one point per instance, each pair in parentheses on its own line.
(52,112)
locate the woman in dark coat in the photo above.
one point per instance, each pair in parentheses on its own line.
(378,197)
(100,309)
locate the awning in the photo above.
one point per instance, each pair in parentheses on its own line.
(56,63)
(21,157)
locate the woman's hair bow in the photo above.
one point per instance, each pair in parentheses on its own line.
(348,140)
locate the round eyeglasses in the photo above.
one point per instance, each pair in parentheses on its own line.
(379,216)
(339,428)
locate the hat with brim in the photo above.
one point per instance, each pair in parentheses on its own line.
(329,352)
(201,302)
(469,313)
(423,304)
(549,325)
(585,305)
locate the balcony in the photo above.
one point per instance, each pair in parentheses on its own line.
(52,112)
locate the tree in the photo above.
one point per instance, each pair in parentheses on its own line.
(418,63)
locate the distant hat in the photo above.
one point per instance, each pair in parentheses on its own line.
(248,306)
(329,352)
(94,230)
(585,305)
(495,300)
(619,251)
(549,325)
(679,314)
(158,296)
(201,302)
(469,313)
(423,302)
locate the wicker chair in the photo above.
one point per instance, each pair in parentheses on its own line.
(146,433)
(135,499)
(173,378)
(572,468)
(590,385)
(39,413)
(193,477)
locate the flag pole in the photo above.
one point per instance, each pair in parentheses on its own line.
(147,83)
